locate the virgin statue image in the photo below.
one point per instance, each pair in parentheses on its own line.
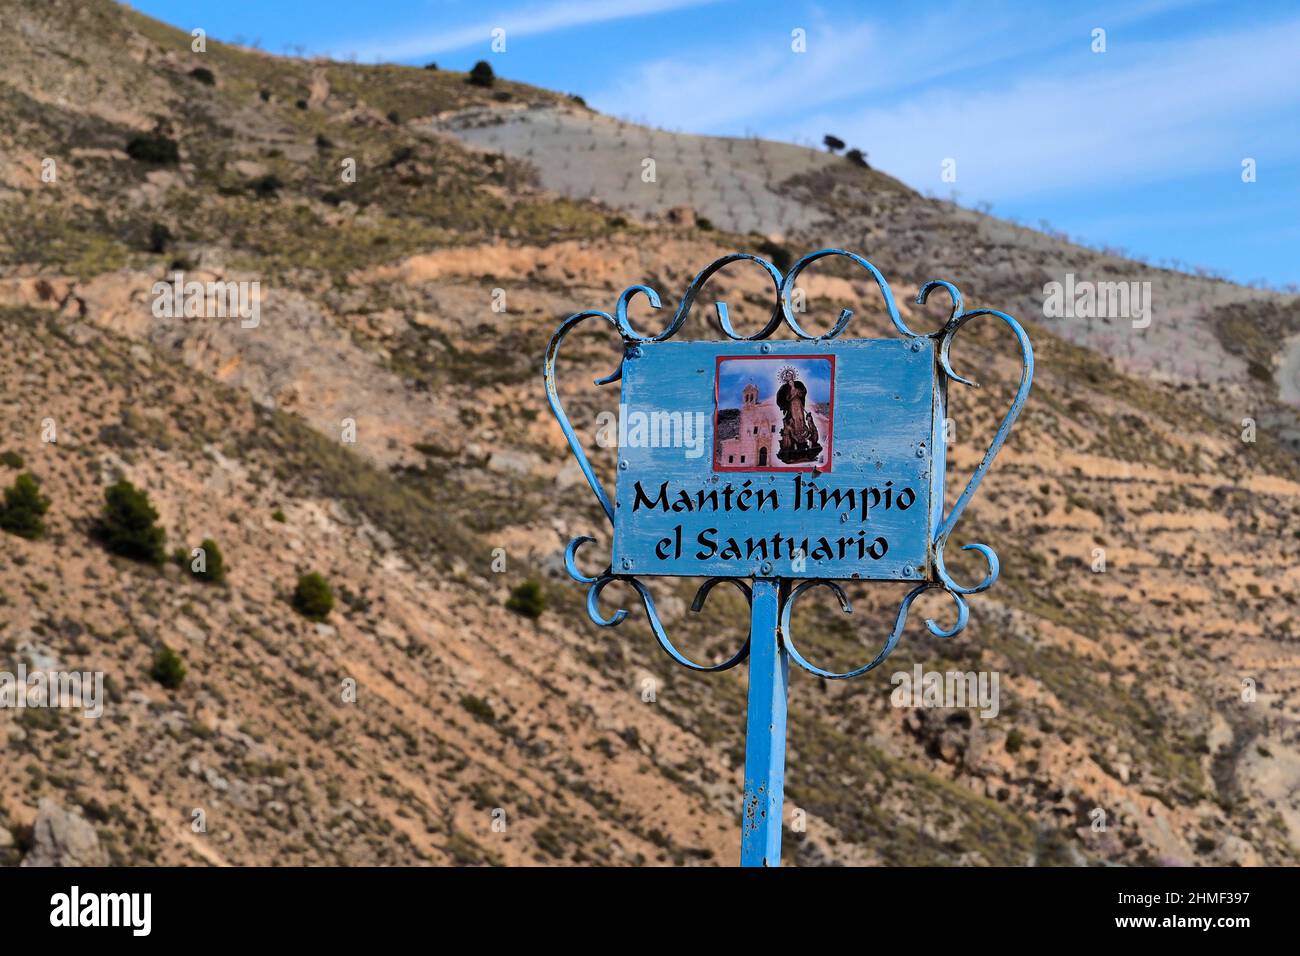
(799,440)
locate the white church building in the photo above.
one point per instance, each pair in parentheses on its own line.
(751,439)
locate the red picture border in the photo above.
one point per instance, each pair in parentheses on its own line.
(768,469)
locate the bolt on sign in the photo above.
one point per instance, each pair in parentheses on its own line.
(815,461)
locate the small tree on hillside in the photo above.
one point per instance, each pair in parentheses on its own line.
(154,148)
(127,525)
(833,143)
(482,74)
(313,598)
(780,255)
(24,508)
(527,599)
(168,669)
(209,565)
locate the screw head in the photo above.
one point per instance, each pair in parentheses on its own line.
(765,347)
(766,567)
(920,452)
(908,571)
(634,352)
(622,465)
(916,345)
(627,564)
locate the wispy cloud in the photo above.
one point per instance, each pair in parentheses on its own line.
(844,61)
(1173,108)
(519,23)
(715,94)
(1023,108)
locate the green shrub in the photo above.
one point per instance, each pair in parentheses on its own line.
(266,186)
(168,669)
(482,74)
(160,237)
(11,459)
(779,255)
(278,515)
(527,599)
(127,525)
(313,598)
(400,155)
(24,507)
(1015,740)
(480,708)
(154,148)
(857,158)
(203,75)
(213,567)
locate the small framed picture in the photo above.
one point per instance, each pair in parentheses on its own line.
(774,413)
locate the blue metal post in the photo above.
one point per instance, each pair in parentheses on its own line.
(769,674)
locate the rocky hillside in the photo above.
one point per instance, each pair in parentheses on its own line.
(382,424)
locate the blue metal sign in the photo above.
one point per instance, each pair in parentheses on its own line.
(813,460)
(726,469)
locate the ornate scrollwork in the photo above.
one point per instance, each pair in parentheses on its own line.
(783,312)
(607,577)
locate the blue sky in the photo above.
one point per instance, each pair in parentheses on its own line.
(1140,146)
(735,374)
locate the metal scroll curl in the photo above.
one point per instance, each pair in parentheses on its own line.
(783,312)
(945,336)
(891,641)
(944,581)
(599,582)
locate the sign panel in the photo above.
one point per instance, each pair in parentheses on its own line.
(794,459)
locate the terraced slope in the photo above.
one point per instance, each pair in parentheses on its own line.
(423,721)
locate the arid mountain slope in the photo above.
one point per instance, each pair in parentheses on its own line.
(409,310)
(774,189)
